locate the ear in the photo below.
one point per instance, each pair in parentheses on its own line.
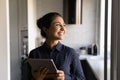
(44,29)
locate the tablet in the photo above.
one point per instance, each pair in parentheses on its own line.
(45,63)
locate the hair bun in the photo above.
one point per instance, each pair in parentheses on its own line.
(40,23)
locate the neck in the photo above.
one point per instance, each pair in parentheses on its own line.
(51,44)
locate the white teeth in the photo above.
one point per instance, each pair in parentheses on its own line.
(61,32)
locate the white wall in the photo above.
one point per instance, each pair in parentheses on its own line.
(32,29)
(44,6)
(85,33)
(4,41)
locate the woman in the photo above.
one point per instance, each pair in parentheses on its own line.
(53,29)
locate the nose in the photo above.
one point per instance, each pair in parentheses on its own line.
(63,27)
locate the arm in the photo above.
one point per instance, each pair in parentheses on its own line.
(77,71)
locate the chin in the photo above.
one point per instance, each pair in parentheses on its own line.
(60,38)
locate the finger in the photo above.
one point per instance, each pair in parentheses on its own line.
(44,71)
(60,73)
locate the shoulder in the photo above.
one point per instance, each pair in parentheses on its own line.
(68,49)
(34,52)
(70,53)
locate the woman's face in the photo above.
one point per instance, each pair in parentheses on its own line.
(56,30)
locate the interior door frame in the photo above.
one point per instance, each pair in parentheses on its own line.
(115,40)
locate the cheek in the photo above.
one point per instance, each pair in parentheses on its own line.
(65,30)
(52,32)
(55,30)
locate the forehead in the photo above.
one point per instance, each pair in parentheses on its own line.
(58,19)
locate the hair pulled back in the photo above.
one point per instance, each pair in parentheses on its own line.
(45,21)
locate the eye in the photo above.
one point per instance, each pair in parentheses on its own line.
(57,24)
(64,25)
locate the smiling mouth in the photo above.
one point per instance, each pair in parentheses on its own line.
(61,33)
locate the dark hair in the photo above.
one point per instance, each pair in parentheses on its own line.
(45,21)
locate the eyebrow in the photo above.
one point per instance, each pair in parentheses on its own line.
(57,22)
